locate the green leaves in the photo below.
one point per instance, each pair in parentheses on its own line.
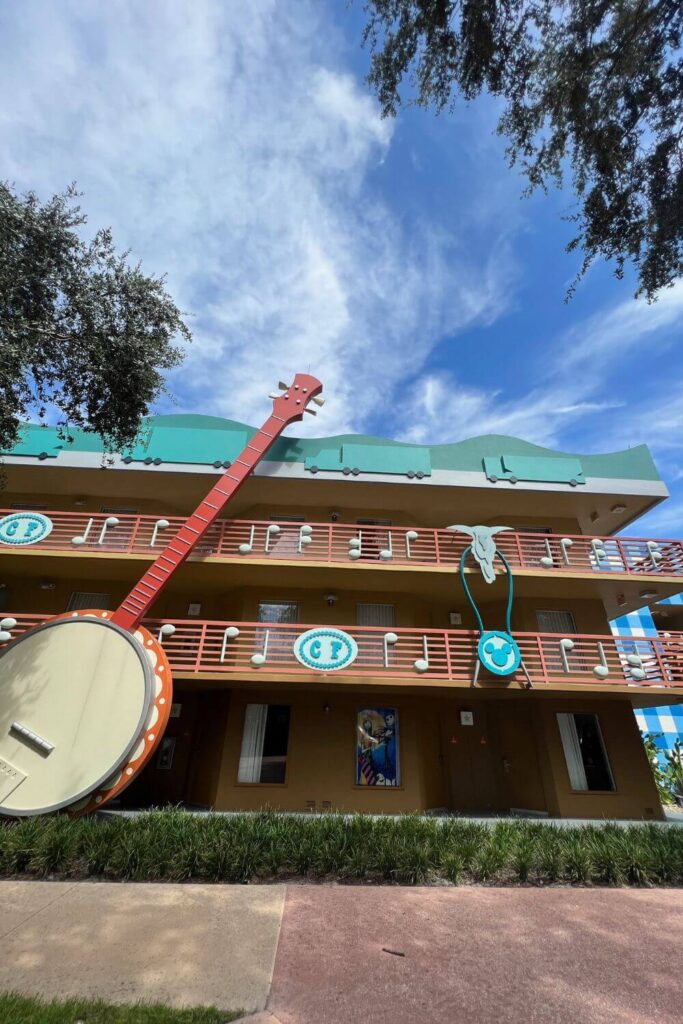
(593,91)
(82,332)
(174,845)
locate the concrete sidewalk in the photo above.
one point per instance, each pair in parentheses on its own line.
(184,945)
(341,954)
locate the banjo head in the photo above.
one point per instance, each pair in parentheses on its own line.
(83,704)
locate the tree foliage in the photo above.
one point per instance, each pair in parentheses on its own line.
(82,332)
(592,90)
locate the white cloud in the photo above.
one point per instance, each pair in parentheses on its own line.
(618,330)
(223,144)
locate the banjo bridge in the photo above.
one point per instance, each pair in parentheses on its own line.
(43,745)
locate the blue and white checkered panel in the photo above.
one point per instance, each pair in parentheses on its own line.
(638,623)
(666,723)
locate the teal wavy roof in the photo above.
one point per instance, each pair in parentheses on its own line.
(204,440)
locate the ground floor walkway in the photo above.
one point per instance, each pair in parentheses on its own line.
(330,954)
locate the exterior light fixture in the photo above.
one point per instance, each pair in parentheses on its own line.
(618,509)
(647,594)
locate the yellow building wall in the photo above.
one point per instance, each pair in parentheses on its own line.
(321,758)
(511,757)
(635,795)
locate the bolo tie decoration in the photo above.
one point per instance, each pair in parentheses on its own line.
(497,651)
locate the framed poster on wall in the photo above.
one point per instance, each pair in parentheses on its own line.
(377,748)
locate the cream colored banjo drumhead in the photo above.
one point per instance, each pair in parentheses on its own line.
(74,696)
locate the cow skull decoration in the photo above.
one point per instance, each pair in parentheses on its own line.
(483,546)
(497,650)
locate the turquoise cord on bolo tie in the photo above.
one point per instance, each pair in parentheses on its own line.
(496,650)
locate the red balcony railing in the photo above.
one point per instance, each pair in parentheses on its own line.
(238,649)
(81,533)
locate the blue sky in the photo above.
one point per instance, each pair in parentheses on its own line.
(236,147)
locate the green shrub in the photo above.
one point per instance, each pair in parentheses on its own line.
(175,845)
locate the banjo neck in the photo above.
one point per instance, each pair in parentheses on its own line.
(287,408)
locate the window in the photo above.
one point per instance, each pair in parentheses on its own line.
(371,646)
(585,753)
(375,615)
(276,644)
(263,757)
(278,611)
(562,622)
(82,599)
(374,537)
(25,507)
(285,544)
(113,510)
(556,621)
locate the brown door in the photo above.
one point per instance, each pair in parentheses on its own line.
(522,784)
(470,760)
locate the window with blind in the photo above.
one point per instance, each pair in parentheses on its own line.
(374,537)
(585,754)
(371,645)
(265,739)
(555,621)
(558,621)
(82,599)
(276,644)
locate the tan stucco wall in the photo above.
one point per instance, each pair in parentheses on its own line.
(635,795)
(322,750)
(510,758)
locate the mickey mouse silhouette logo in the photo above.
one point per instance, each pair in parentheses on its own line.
(499,653)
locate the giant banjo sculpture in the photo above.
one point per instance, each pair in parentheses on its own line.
(85,698)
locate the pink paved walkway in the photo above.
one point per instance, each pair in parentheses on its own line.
(556,956)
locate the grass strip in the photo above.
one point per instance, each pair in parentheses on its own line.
(16,1009)
(173,845)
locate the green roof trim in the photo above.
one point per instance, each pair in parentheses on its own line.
(204,440)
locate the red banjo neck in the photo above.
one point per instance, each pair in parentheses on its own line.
(287,408)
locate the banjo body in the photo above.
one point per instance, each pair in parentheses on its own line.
(84,705)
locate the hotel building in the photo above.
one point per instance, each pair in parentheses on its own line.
(391,704)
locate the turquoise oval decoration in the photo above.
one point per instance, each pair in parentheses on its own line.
(499,653)
(326,650)
(21,528)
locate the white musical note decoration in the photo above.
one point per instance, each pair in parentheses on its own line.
(260,659)
(6,625)
(161,524)
(228,634)
(547,560)
(305,537)
(601,670)
(109,523)
(168,629)
(635,663)
(655,553)
(598,549)
(389,638)
(387,553)
(77,541)
(411,535)
(565,546)
(272,530)
(355,546)
(566,645)
(246,549)
(422,664)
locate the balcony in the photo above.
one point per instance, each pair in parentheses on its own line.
(347,545)
(248,650)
